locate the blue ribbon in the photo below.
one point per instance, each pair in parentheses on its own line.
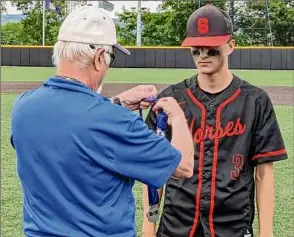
(161,126)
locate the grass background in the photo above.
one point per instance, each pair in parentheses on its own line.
(150,75)
(11,200)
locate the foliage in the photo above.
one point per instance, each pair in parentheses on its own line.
(154,30)
(127,32)
(167,27)
(253,28)
(179,12)
(33,22)
(11,33)
(3,6)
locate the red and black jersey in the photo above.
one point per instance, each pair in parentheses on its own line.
(233,132)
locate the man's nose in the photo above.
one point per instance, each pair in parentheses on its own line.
(203,53)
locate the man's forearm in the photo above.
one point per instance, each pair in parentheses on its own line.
(148,229)
(265,199)
(182,140)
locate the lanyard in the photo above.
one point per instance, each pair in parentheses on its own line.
(153,196)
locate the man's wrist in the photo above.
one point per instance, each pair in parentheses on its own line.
(116,100)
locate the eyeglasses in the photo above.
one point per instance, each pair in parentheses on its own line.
(210,52)
(112,55)
(112,58)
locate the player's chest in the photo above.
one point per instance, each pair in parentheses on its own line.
(230,116)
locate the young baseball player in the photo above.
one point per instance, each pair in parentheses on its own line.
(236,138)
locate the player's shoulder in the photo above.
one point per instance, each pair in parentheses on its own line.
(253,91)
(179,88)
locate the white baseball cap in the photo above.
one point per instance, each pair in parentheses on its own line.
(90,25)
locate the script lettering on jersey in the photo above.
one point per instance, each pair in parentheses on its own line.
(232,128)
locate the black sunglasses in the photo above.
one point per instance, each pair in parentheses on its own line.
(112,55)
(112,58)
(210,52)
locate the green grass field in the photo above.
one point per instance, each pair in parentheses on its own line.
(11,200)
(130,75)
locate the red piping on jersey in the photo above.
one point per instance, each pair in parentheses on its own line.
(271,153)
(215,156)
(201,157)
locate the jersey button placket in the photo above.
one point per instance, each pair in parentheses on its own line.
(207,175)
(205,197)
(212,105)
(207,165)
(205,226)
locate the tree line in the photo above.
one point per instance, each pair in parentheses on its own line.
(167,26)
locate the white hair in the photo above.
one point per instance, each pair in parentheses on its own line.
(78,53)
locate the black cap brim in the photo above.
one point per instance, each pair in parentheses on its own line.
(122,49)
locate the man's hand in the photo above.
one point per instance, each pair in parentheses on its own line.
(172,109)
(181,136)
(133,98)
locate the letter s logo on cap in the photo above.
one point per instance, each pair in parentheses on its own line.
(203,26)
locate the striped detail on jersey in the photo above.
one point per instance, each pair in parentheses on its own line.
(215,156)
(271,153)
(201,158)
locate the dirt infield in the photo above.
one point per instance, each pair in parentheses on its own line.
(278,95)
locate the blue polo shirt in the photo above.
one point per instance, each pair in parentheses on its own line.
(78,156)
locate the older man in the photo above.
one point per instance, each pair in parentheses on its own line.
(79,153)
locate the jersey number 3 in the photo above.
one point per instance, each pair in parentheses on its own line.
(238,161)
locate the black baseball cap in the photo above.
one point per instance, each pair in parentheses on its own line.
(208,26)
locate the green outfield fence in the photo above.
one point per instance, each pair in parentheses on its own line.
(268,58)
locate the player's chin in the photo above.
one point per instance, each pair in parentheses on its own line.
(205,70)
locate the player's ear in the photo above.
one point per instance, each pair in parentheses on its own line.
(231,46)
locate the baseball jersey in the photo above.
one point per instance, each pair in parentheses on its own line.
(78,156)
(233,132)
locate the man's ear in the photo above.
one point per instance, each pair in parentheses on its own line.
(231,46)
(99,59)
